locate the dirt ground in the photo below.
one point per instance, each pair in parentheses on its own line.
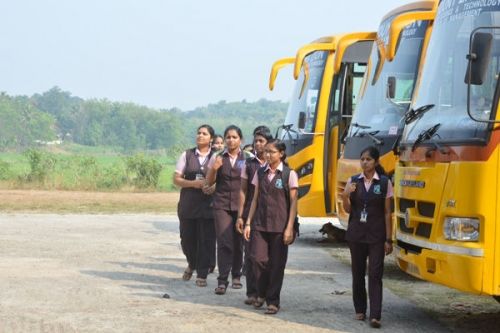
(100,272)
(108,273)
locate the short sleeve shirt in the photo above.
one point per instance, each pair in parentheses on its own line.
(293,180)
(390,190)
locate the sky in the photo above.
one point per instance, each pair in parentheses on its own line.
(167,53)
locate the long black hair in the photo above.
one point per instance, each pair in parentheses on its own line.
(375,154)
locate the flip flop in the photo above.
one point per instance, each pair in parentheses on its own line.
(272,309)
(250,300)
(201,282)
(259,302)
(360,316)
(375,323)
(220,290)
(186,276)
(236,284)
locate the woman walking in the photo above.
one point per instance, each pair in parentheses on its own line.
(225,171)
(367,198)
(194,211)
(270,224)
(261,135)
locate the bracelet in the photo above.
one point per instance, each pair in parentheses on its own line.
(388,241)
(247,225)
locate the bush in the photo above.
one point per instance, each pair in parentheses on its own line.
(41,165)
(143,171)
(5,172)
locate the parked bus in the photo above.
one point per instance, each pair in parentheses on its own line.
(386,92)
(329,72)
(448,177)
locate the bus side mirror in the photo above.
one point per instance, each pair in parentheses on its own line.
(302,120)
(479,57)
(391,87)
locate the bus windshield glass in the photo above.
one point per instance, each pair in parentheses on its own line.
(377,109)
(307,89)
(443,83)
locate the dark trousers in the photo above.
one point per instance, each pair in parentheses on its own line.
(269,255)
(249,269)
(196,243)
(229,245)
(375,254)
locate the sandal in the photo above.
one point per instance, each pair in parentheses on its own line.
(272,309)
(201,282)
(360,316)
(188,273)
(220,290)
(250,300)
(259,302)
(375,323)
(236,284)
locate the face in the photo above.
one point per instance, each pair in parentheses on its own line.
(218,144)
(259,142)
(272,155)
(233,140)
(367,162)
(203,137)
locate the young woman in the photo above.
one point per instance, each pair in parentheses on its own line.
(272,228)
(367,198)
(225,171)
(218,143)
(194,211)
(261,135)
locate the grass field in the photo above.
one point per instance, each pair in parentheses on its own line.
(80,168)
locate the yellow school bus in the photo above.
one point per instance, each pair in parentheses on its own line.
(329,72)
(386,91)
(447,181)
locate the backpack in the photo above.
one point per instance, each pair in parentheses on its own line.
(285,176)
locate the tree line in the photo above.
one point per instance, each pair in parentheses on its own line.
(55,114)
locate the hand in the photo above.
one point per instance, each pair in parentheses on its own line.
(218,163)
(246,232)
(349,189)
(207,189)
(387,248)
(288,236)
(198,183)
(239,225)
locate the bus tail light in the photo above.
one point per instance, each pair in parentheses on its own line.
(465,229)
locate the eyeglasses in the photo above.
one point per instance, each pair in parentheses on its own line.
(271,151)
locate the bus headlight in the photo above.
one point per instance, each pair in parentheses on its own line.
(463,229)
(306,169)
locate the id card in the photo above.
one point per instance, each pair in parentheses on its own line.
(199,176)
(364,216)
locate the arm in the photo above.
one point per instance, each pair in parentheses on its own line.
(388,226)
(213,165)
(288,236)
(243,193)
(346,201)
(184,183)
(253,206)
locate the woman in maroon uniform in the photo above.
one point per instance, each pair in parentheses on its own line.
(225,171)
(274,206)
(367,199)
(194,211)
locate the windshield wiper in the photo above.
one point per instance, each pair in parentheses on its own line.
(428,134)
(414,114)
(288,130)
(359,126)
(372,136)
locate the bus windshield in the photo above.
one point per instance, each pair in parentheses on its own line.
(377,110)
(443,78)
(307,89)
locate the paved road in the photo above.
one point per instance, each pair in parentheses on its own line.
(107,273)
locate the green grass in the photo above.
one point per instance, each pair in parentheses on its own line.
(75,167)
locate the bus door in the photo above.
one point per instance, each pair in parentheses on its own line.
(351,62)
